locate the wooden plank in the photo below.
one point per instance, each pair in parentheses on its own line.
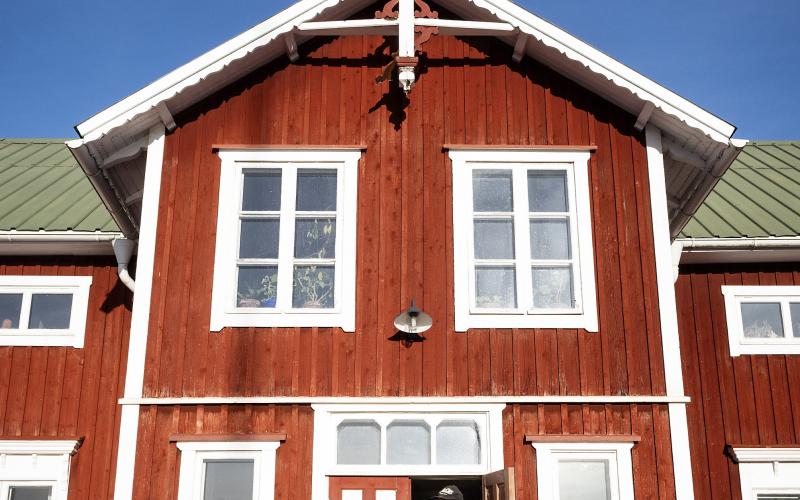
(273,436)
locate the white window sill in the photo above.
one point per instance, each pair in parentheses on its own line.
(526,319)
(297,318)
(30,338)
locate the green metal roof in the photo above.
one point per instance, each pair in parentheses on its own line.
(758,196)
(43,188)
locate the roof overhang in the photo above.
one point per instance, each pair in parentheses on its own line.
(698,144)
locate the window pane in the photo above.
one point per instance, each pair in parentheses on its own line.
(316,191)
(495,287)
(228,480)
(262,191)
(358,442)
(50,311)
(491,191)
(30,492)
(10,305)
(408,442)
(552,287)
(315,238)
(494,239)
(794,309)
(583,480)
(259,239)
(258,286)
(762,320)
(550,239)
(457,442)
(313,286)
(547,191)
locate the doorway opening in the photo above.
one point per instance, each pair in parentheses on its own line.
(423,488)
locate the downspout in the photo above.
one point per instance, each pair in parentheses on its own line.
(123,249)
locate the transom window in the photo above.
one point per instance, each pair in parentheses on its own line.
(288,238)
(763,319)
(43,310)
(604,470)
(523,252)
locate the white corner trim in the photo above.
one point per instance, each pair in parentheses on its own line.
(575,164)
(769,455)
(140,315)
(668,315)
(488,418)
(27,286)
(617,455)
(738,344)
(284,22)
(224,312)
(193,455)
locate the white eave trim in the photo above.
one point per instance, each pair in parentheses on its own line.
(700,244)
(14,236)
(766,455)
(739,250)
(286,21)
(56,242)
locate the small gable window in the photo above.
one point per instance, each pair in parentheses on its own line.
(286,239)
(523,239)
(43,310)
(763,319)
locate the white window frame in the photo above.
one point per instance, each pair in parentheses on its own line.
(195,453)
(77,286)
(738,343)
(224,311)
(327,417)
(618,454)
(36,463)
(768,471)
(520,161)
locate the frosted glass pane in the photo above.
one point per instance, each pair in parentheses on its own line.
(10,306)
(228,480)
(315,238)
(257,287)
(491,191)
(494,239)
(262,191)
(30,493)
(547,191)
(50,311)
(550,239)
(552,287)
(583,480)
(408,442)
(794,309)
(259,239)
(316,191)
(313,287)
(762,320)
(495,287)
(358,442)
(458,442)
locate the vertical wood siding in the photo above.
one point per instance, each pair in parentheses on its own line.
(63,392)
(158,460)
(750,400)
(469,92)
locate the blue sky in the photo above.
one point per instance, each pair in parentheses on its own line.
(64,61)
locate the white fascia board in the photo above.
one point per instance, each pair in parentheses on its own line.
(217,59)
(200,68)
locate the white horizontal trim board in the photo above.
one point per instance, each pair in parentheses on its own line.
(749,454)
(57,236)
(218,400)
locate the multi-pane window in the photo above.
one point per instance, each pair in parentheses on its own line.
(604,470)
(35,470)
(286,239)
(767,473)
(763,319)
(523,248)
(43,310)
(227,470)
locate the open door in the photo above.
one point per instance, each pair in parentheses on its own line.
(370,488)
(499,485)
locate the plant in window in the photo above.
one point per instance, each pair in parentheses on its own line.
(263,294)
(313,286)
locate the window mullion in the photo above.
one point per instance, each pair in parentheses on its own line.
(25,310)
(574,241)
(786,317)
(286,237)
(522,238)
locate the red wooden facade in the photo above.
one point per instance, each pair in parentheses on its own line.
(68,393)
(750,400)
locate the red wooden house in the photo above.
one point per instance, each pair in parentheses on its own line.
(290,194)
